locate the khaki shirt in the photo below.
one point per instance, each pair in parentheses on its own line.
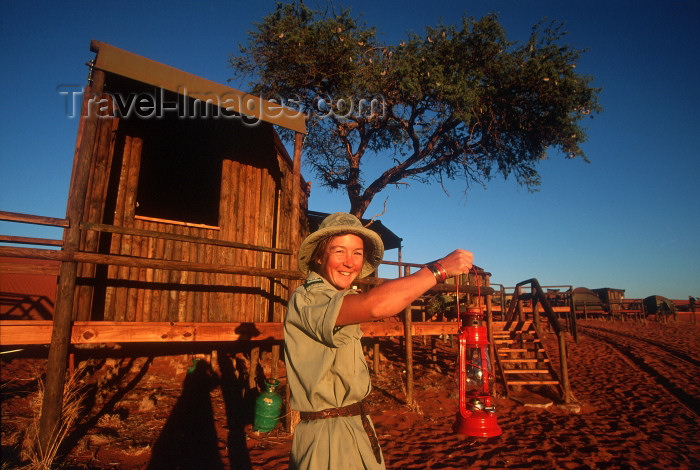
(326,368)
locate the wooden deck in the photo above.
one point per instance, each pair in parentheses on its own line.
(38,332)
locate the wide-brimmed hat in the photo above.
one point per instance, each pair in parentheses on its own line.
(342,223)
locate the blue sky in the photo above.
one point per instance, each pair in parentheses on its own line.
(627,220)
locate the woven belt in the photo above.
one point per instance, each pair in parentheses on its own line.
(350,410)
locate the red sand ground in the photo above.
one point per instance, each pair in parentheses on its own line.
(637,387)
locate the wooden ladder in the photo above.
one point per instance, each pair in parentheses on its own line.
(522,359)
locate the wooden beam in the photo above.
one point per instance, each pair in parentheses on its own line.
(32,219)
(49,269)
(30,240)
(132,261)
(182,238)
(38,332)
(498,308)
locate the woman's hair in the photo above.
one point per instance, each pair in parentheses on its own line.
(317,256)
(315,261)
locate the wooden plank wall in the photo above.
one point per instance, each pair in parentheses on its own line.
(95,201)
(255,206)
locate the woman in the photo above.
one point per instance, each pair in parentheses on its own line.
(326,368)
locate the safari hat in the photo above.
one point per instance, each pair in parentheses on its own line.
(342,223)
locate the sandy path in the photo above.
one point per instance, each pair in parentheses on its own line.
(637,387)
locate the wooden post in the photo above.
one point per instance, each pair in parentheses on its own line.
(52,403)
(292,417)
(275,358)
(422,318)
(564,367)
(296,189)
(536,314)
(504,305)
(375,356)
(572,316)
(252,371)
(409,348)
(489,335)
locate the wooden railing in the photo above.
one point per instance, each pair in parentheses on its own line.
(537,296)
(35,220)
(18,332)
(92,332)
(38,332)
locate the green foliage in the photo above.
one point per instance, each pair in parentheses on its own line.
(457,102)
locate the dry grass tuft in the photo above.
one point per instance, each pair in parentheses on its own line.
(73,397)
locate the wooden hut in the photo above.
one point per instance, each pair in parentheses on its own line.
(612,298)
(183,169)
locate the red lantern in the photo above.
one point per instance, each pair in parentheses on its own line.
(477,415)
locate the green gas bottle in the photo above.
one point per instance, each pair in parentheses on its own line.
(268,406)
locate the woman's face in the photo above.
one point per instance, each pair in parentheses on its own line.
(342,260)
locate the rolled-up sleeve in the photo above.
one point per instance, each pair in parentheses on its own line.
(316,313)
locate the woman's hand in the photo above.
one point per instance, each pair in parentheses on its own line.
(458,262)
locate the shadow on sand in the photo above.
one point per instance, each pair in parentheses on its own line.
(188,439)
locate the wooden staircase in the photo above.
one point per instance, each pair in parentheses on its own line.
(522,360)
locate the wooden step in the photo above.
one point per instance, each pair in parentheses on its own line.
(526,371)
(501,325)
(509,332)
(527,343)
(512,350)
(524,360)
(497,339)
(516,350)
(533,382)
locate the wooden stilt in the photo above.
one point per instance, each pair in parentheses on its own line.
(375,361)
(52,403)
(409,348)
(252,372)
(293,415)
(274,372)
(296,194)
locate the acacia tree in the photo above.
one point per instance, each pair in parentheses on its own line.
(457,102)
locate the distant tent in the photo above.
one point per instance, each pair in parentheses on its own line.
(584,296)
(656,304)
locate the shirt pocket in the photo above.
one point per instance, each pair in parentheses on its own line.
(350,360)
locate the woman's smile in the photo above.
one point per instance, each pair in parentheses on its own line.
(342,261)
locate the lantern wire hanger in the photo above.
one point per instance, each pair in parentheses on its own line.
(478,290)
